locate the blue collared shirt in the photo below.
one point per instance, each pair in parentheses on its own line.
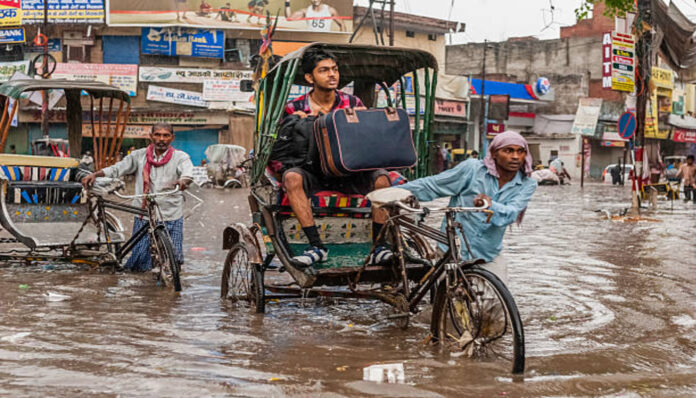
(462,183)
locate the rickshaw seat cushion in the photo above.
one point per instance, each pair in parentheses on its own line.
(333,200)
(37,173)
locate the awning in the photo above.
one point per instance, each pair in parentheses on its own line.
(683,122)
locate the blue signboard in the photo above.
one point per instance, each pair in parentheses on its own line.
(54,45)
(63,11)
(12,35)
(202,43)
(626,125)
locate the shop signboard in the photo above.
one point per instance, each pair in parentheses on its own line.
(147,118)
(12,35)
(175,96)
(586,117)
(188,42)
(606,60)
(225,90)
(682,135)
(7,69)
(154,74)
(663,78)
(131,131)
(623,62)
(651,118)
(54,46)
(327,16)
(64,11)
(123,76)
(493,129)
(10,13)
(450,108)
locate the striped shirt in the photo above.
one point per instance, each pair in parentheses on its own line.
(342,101)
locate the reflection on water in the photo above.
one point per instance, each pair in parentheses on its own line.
(608,310)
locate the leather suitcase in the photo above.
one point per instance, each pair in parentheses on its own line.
(352,141)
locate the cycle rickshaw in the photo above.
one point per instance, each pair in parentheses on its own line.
(45,215)
(473,312)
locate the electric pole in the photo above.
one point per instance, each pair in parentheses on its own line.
(482,123)
(643,56)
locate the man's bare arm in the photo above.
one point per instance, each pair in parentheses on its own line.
(340,23)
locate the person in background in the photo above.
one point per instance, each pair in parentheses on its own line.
(13,149)
(157,168)
(87,161)
(615,174)
(439,160)
(445,163)
(205,9)
(226,14)
(687,172)
(474,154)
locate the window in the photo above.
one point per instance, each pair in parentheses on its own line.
(432,37)
(410,33)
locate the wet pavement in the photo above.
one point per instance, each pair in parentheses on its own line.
(609,309)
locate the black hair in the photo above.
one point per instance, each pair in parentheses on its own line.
(690,157)
(163,126)
(313,56)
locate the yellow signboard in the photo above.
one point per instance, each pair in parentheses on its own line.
(662,78)
(10,13)
(651,118)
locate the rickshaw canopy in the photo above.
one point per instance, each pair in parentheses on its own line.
(15,88)
(358,62)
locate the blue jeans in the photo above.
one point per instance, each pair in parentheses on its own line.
(140,260)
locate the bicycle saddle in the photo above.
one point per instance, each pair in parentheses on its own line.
(388,195)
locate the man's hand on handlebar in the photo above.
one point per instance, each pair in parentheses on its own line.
(88,181)
(182,183)
(482,200)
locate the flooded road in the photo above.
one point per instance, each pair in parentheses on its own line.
(609,309)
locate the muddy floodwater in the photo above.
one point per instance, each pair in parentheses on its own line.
(609,309)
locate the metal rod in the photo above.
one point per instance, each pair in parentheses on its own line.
(101,136)
(109,140)
(94,130)
(5,128)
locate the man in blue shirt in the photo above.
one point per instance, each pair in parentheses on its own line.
(502,179)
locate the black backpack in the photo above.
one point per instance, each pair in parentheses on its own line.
(295,145)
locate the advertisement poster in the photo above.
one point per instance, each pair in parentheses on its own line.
(175,96)
(586,118)
(155,74)
(10,13)
(682,135)
(12,35)
(322,16)
(124,77)
(188,42)
(63,11)
(7,69)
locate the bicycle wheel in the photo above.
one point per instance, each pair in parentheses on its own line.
(162,253)
(242,281)
(475,315)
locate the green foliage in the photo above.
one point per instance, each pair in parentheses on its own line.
(613,8)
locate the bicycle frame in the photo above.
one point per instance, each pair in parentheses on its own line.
(151,211)
(396,225)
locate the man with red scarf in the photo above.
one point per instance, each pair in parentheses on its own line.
(157,168)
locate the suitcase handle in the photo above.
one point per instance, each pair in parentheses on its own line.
(351,116)
(392,115)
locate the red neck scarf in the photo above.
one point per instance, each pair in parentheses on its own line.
(151,162)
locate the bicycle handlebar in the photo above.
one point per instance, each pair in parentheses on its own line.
(425,210)
(173,191)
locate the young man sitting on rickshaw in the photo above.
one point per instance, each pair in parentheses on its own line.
(321,71)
